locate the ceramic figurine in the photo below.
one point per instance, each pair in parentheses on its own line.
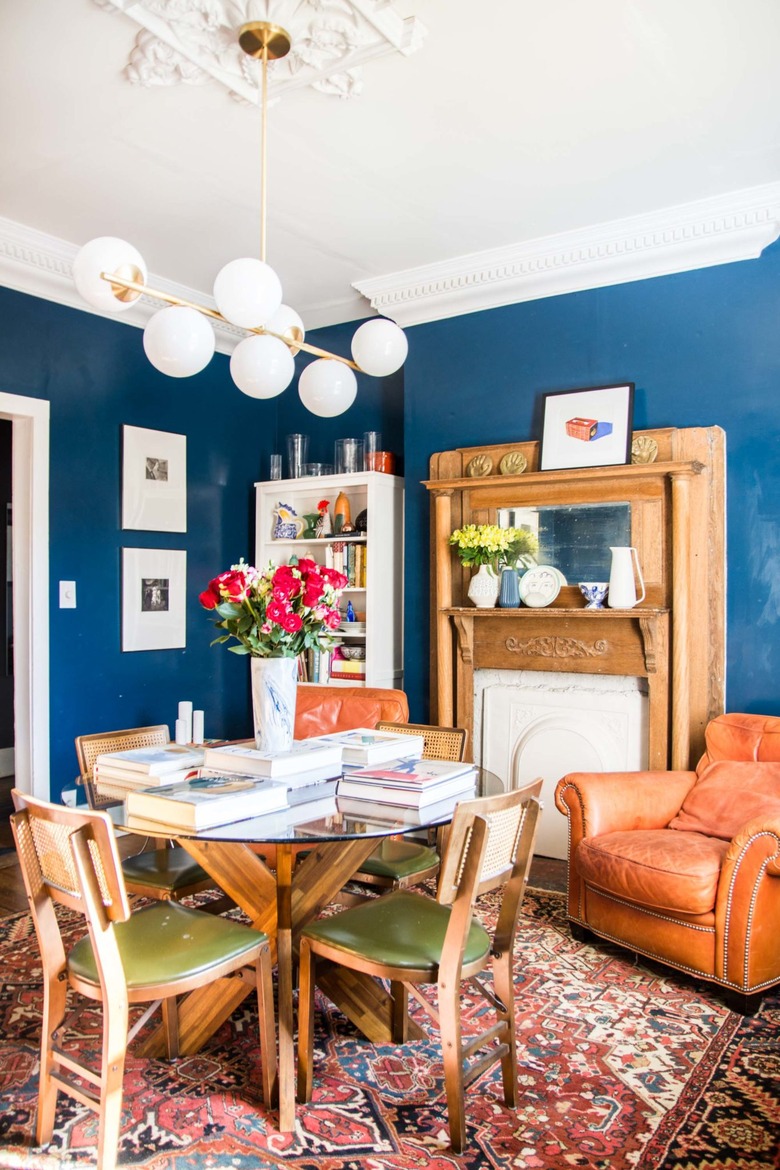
(342,514)
(323,526)
(351,612)
(288,525)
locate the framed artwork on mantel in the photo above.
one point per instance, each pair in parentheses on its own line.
(154,480)
(154,599)
(587,428)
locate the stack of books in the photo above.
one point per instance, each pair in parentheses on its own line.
(309,761)
(410,783)
(117,773)
(365,745)
(203,801)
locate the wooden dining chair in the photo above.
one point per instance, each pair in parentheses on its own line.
(69,858)
(411,939)
(165,873)
(400,862)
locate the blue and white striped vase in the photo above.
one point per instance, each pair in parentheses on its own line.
(274,689)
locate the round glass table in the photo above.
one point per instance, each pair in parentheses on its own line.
(282,869)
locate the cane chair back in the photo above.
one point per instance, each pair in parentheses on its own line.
(441,743)
(69,857)
(411,940)
(397,863)
(167,874)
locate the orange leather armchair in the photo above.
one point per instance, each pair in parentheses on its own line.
(684,867)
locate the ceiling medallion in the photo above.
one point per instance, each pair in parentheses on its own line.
(193,41)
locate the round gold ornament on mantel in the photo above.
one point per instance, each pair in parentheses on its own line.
(644,449)
(513,463)
(479,466)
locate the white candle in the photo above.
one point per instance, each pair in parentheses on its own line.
(185,714)
(181,732)
(197,727)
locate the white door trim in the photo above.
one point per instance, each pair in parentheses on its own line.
(30,488)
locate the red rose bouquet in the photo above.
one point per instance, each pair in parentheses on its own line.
(276,612)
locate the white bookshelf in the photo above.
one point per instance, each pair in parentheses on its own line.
(380,602)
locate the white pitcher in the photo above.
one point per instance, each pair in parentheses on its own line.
(622,589)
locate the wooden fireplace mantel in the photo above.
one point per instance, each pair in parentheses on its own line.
(675,640)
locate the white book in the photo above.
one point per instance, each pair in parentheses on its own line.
(374,813)
(155,761)
(208,800)
(419,798)
(366,745)
(128,778)
(306,755)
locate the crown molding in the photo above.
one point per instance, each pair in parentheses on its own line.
(719,230)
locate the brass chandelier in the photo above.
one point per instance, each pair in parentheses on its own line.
(110,275)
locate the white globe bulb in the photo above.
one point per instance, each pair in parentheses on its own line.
(179,341)
(247,292)
(379,347)
(108,254)
(262,366)
(327,387)
(287,323)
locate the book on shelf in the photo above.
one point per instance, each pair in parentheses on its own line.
(155,761)
(372,791)
(365,745)
(207,800)
(306,758)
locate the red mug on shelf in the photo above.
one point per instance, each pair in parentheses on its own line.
(381,461)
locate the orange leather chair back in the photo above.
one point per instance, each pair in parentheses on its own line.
(736,736)
(320,710)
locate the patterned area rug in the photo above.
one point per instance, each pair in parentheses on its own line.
(622,1065)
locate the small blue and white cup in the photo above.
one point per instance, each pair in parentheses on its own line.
(594,593)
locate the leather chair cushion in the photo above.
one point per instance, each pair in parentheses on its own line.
(399,859)
(727,795)
(676,872)
(164,869)
(320,710)
(400,929)
(736,736)
(166,942)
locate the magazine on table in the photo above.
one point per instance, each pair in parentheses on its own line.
(126,778)
(413,773)
(408,795)
(156,760)
(374,813)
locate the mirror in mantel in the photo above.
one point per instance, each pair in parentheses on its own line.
(574,538)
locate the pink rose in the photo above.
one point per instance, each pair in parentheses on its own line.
(291,622)
(334,578)
(232,585)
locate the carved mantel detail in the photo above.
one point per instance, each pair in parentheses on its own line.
(557,647)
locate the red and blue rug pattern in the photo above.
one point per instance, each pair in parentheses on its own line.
(622,1065)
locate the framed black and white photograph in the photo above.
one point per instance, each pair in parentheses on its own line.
(154,480)
(154,598)
(587,428)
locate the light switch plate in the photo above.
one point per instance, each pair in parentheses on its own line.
(67,594)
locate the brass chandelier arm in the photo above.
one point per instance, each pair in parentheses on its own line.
(119,283)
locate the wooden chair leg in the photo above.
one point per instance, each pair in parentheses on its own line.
(306,976)
(504,990)
(265,1008)
(170,1015)
(54,1000)
(400,1012)
(112,1074)
(451,1047)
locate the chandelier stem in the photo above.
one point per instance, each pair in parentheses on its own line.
(118,283)
(264,152)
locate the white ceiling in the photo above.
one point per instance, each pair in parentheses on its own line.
(511,120)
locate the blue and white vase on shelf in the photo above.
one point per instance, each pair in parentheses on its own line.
(274,689)
(483,588)
(509,591)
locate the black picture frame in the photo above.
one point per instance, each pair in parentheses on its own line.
(587,427)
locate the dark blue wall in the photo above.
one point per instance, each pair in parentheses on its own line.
(703,349)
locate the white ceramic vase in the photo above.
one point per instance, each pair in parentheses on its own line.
(483,588)
(274,688)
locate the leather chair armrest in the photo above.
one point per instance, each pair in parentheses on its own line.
(747,908)
(607,802)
